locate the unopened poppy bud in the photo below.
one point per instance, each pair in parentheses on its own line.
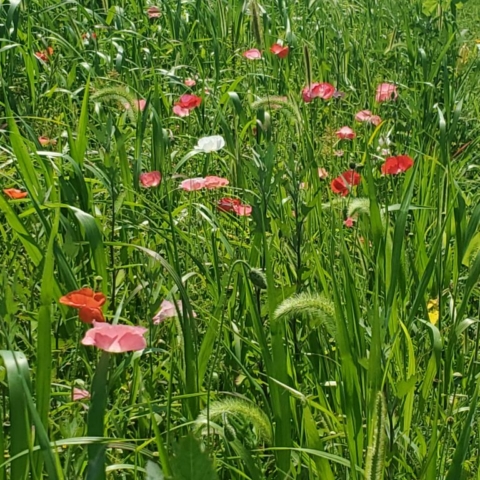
(294,147)
(258,278)
(352,165)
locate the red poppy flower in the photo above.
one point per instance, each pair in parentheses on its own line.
(189,101)
(88,302)
(279,50)
(227,204)
(253,54)
(344,182)
(44,55)
(349,222)
(345,133)
(150,179)
(14,193)
(396,165)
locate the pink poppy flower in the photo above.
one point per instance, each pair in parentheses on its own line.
(338,153)
(396,165)
(115,338)
(150,179)
(253,54)
(168,310)
(79,394)
(46,142)
(349,222)
(189,82)
(153,12)
(385,92)
(318,90)
(345,133)
(212,182)
(279,50)
(192,184)
(344,182)
(242,210)
(226,204)
(322,173)
(137,105)
(180,111)
(367,116)
(363,116)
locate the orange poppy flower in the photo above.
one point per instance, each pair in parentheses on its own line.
(14,193)
(85,297)
(90,315)
(88,302)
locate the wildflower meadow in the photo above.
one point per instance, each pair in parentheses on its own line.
(239,239)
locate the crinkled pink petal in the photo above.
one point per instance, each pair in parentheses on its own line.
(242,210)
(346,133)
(79,394)
(385,92)
(253,54)
(150,179)
(192,184)
(115,338)
(212,181)
(168,310)
(180,111)
(363,116)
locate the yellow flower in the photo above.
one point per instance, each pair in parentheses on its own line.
(433,313)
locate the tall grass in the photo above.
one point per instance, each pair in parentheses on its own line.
(301,348)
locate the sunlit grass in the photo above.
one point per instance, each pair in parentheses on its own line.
(297,325)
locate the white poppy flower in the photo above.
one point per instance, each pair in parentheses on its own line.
(210,144)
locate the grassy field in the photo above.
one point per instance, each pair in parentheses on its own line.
(239,239)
